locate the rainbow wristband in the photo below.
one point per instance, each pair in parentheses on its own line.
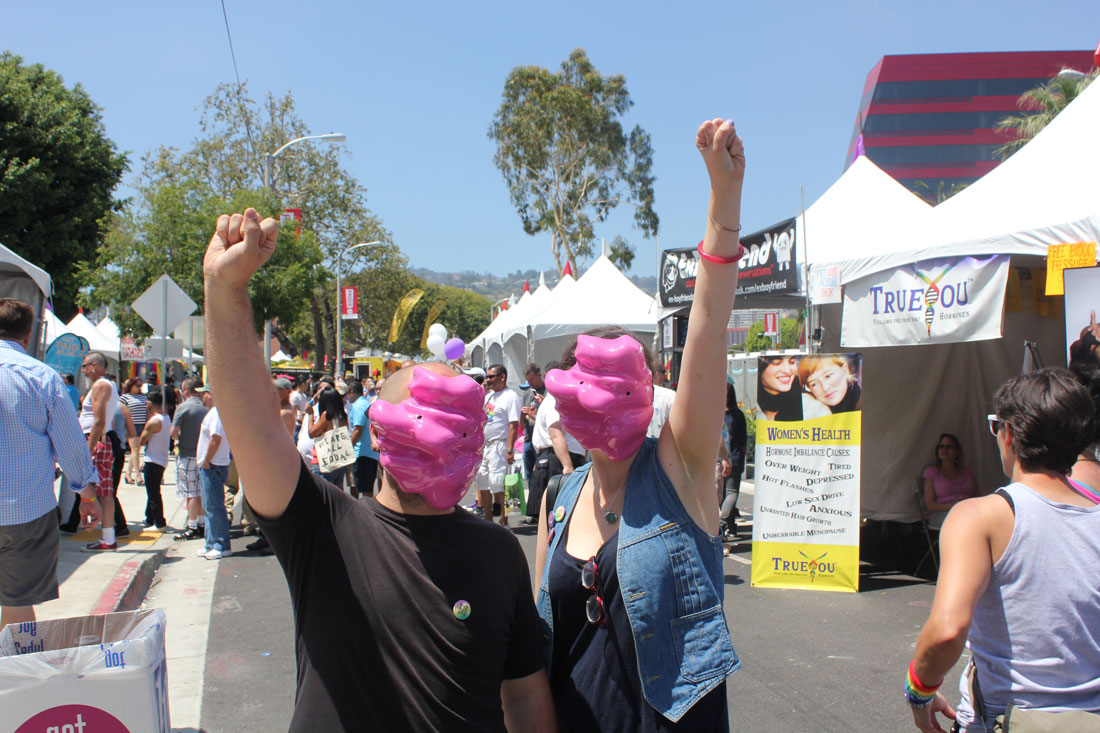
(918,694)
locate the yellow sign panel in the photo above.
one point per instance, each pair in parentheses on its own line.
(1064,256)
(805,566)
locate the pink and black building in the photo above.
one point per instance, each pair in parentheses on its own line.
(930,117)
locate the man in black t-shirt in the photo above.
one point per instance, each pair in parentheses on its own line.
(442,633)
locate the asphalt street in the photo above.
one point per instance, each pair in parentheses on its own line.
(811,661)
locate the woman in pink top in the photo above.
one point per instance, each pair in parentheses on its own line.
(948,482)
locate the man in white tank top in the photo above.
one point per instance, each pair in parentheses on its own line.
(1018,578)
(95,413)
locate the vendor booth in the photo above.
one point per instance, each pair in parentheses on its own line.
(988,244)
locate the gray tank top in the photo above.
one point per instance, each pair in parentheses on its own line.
(1035,637)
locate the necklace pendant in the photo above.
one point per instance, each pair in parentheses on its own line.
(610,517)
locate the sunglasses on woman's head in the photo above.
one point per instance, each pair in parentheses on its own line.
(590,579)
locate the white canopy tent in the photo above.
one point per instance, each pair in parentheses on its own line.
(858,216)
(602,296)
(1047,193)
(97,340)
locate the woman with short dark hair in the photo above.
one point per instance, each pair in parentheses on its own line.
(1019,578)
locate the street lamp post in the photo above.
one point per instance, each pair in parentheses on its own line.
(340,303)
(269,161)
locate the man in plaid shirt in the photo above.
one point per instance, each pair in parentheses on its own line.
(37,427)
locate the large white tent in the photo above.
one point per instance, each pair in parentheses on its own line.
(602,296)
(1047,193)
(97,340)
(859,216)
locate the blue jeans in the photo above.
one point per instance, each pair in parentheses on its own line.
(336,478)
(213,505)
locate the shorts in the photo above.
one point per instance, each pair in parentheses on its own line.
(493,468)
(28,561)
(103,458)
(188,485)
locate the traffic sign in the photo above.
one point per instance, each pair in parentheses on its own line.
(164,306)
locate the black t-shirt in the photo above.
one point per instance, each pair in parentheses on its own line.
(377,600)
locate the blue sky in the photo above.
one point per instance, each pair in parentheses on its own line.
(414,87)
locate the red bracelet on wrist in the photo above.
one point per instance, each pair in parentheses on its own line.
(721,260)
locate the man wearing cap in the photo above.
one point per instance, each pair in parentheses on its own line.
(212,450)
(185,431)
(446,622)
(285,389)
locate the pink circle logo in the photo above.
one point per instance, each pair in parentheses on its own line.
(73,719)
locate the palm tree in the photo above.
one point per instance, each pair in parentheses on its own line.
(941,193)
(1041,105)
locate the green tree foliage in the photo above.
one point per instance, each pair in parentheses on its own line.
(167,231)
(565,156)
(57,172)
(1040,105)
(789,329)
(466,314)
(621,253)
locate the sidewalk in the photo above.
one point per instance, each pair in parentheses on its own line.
(94,583)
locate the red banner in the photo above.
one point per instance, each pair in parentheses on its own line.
(349,303)
(771,324)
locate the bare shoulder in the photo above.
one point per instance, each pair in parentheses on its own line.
(985,514)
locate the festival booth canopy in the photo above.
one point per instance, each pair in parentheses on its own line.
(858,218)
(97,340)
(26,282)
(602,296)
(1047,193)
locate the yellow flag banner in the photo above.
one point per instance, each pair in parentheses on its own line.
(806,504)
(1064,256)
(408,300)
(433,313)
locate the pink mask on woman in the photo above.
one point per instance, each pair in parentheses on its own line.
(432,441)
(606,398)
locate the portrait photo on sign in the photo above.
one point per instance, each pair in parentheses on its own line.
(1082,306)
(792,387)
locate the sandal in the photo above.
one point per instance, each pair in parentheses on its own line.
(140,481)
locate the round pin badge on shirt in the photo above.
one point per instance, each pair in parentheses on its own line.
(559,513)
(461,610)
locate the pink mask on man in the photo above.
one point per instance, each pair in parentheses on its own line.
(606,398)
(431,442)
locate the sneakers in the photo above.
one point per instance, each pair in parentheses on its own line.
(122,531)
(154,528)
(215,554)
(99,546)
(529,521)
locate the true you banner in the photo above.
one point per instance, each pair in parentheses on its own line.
(941,301)
(806,505)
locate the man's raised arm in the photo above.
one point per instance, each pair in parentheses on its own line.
(247,402)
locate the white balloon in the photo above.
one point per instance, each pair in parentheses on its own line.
(438,329)
(436,344)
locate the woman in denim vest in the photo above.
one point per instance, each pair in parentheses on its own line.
(631,601)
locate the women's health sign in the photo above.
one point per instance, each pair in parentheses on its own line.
(806,508)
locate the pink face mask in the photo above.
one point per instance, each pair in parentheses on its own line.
(432,441)
(606,398)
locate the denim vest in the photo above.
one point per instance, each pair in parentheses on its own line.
(671,580)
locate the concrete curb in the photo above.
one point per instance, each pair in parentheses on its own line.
(127,589)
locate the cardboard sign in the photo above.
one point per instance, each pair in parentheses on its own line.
(1063,256)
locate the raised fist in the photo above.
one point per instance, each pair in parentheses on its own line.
(722,150)
(240,245)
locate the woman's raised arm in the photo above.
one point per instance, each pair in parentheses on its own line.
(689,443)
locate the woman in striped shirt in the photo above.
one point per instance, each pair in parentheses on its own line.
(135,402)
